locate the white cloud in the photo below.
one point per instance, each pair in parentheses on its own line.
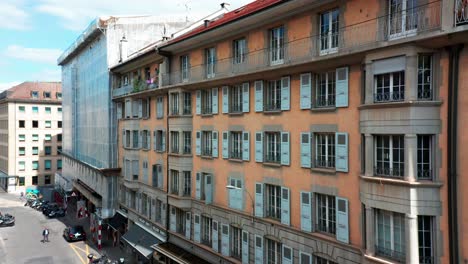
(32,54)
(12,16)
(7,85)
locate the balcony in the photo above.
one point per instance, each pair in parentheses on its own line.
(354,38)
(134,88)
(391,254)
(273,157)
(397,173)
(389,97)
(461,12)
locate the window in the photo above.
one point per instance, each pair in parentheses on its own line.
(206,227)
(21,124)
(59,124)
(174,103)
(135,169)
(235,145)
(47,164)
(145,139)
(35,94)
(206,102)
(236,243)
(58,95)
(135,139)
(174,142)
(187,147)
(325,92)
(159,107)
(59,150)
(145,108)
(159,140)
(48,110)
(48,124)
(59,137)
(329,31)
(157,176)
(21,109)
(425,239)
(425,77)
(35,109)
(273,201)
(34,180)
(46,94)
(59,164)
(210,62)
(424,157)
(187,183)
(326,214)
(273,250)
(389,87)
(390,235)
(59,109)
(47,179)
(147,75)
(324,150)
(389,156)
(273,147)
(127,138)
(403,18)
(206,143)
(21,181)
(21,165)
(144,201)
(35,137)
(273,96)
(180,221)
(35,124)
(47,150)
(187,103)
(240,51)
(35,165)
(236,194)
(21,137)
(135,109)
(184,67)
(48,137)
(235,99)
(159,207)
(35,150)
(174,182)
(22,151)
(320,260)
(277,45)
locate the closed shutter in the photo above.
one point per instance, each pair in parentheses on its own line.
(119,110)
(225,90)
(208,189)
(140,108)
(306,212)
(306,91)
(198,143)
(285,93)
(148,139)
(342,222)
(258,96)
(305,258)
(258,249)
(306,157)
(163,213)
(160,176)
(198,102)
(198,186)
(225,144)
(341,152)
(285,204)
(215,233)
(163,140)
(245,247)
(259,199)
(342,87)
(214,144)
(245,146)
(285,148)
(154,140)
(140,139)
(232,193)
(196,228)
(259,147)
(225,239)
(245,97)
(124,139)
(214,97)
(287,255)
(172,223)
(188,223)
(128,109)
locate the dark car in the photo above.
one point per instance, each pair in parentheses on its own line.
(49,207)
(56,213)
(74,233)
(7,220)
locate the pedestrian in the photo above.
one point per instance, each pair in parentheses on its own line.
(45,235)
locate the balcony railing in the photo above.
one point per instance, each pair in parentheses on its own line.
(391,254)
(426,260)
(206,110)
(424,174)
(328,164)
(273,158)
(130,88)
(389,97)
(235,155)
(389,172)
(331,229)
(206,152)
(323,101)
(272,106)
(353,38)
(461,12)
(235,108)
(424,94)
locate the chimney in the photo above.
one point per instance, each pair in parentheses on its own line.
(207,22)
(123,48)
(224,5)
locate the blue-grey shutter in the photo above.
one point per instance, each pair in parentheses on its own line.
(198,102)
(198,143)
(258,96)
(342,222)
(225,99)
(140,139)
(160,176)
(148,139)
(232,193)
(154,140)
(341,152)
(285,93)
(342,87)
(163,213)
(306,157)
(215,233)
(305,258)
(238,194)
(124,139)
(196,228)
(163,141)
(259,199)
(306,212)
(198,185)
(287,256)
(214,101)
(285,204)
(306,91)
(285,148)
(214,144)
(259,147)
(119,110)
(258,249)
(245,247)
(245,97)
(245,146)
(172,223)
(208,189)
(225,239)
(140,108)
(225,144)
(188,223)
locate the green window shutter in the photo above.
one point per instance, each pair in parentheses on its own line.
(196,228)
(208,189)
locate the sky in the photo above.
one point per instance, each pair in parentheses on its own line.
(33,33)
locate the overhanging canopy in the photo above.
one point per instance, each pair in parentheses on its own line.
(141,240)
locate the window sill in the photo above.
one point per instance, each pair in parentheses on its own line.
(128,148)
(160,117)
(206,157)
(180,154)
(146,149)
(206,115)
(271,164)
(400,104)
(422,183)
(236,113)
(159,151)
(328,171)
(324,109)
(180,116)
(235,160)
(272,112)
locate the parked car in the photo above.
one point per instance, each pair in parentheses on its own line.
(56,213)
(49,207)
(74,233)
(7,220)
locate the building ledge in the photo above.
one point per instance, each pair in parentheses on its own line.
(401,182)
(324,171)
(400,104)
(377,259)
(323,109)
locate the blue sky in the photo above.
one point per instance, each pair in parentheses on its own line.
(33,33)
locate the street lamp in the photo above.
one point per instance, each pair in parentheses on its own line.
(232,187)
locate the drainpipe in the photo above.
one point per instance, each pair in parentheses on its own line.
(454,55)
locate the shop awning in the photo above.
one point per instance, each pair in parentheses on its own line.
(117,221)
(178,254)
(141,240)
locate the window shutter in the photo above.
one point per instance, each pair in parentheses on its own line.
(214,97)
(287,255)
(214,144)
(225,144)
(160,176)
(163,141)
(140,108)
(119,110)
(148,107)
(285,204)
(128,108)
(225,240)
(148,139)
(245,97)
(259,199)
(140,139)
(154,140)
(259,147)
(172,224)
(198,186)
(341,152)
(209,189)
(306,157)
(285,148)
(188,223)
(238,199)
(225,99)
(124,138)
(306,91)
(163,213)
(258,96)
(198,143)
(342,87)
(305,258)
(198,102)
(285,93)
(245,247)
(342,222)
(258,249)
(306,212)
(215,233)
(196,228)
(245,146)
(232,193)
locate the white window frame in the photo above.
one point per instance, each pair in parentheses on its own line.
(184,68)
(329,203)
(396,93)
(235,145)
(187,97)
(272,145)
(326,80)
(210,61)
(390,217)
(175,147)
(273,96)
(174,97)
(328,35)
(397,16)
(187,177)
(330,158)
(240,51)
(187,139)
(277,45)
(391,173)
(425,72)
(273,201)
(273,251)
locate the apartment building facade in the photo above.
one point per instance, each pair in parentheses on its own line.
(31,135)
(310,132)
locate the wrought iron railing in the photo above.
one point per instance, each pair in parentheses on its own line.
(389,172)
(391,254)
(424,174)
(425,94)
(207,110)
(206,152)
(330,229)
(321,163)
(235,155)
(461,12)
(426,260)
(273,157)
(323,101)
(187,150)
(187,111)
(272,106)
(389,97)
(235,108)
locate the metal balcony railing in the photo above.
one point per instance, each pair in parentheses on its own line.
(389,172)
(328,164)
(206,110)
(461,12)
(273,157)
(426,260)
(272,106)
(331,229)
(425,94)
(235,108)
(424,174)
(206,152)
(323,101)
(391,254)
(235,155)
(389,97)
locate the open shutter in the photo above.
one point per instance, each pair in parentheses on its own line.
(198,143)
(128,109)
(245,146)
(225,99)
(245,97)
(124,138)
(258,249)
(305,258)
(140,139)
(259,147)
(306,91)
(245,247)
(225,240)
(163,141)
(214,144)
(148,139)
(258,96)
(198,102)
(285,148)
(140,108)
(198,186)
(285,204)
(196,228)
(188,223)
(209,189)
(287,255)
(342,87)
(214,101)
(306,157)
(341,152)
(285,93)
(225,144)
(172,223)
(342,222)
(259,199)
(154,140)
(119,110)
(306,212)
(215,233)
(160,176)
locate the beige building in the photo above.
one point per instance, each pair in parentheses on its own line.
(30,135)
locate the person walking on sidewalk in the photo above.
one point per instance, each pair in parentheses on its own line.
(45,235)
